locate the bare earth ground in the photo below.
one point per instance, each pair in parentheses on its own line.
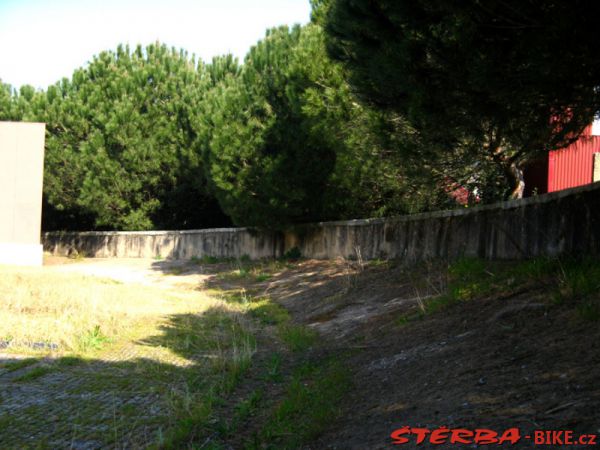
(511,359)
(497,363)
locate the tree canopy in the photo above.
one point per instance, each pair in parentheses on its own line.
(286,141)
(376,107)
(496,81)
(289,143)
(121,147)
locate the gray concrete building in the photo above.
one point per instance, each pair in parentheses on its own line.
(21,181)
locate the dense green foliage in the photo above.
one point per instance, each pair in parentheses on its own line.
(121,151)
(286,141)
(261,164)
(488,83)
(15,104)
(430,98)
(5,101)
(148,139)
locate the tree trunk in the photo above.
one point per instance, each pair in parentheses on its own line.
(515,175)
(512,172)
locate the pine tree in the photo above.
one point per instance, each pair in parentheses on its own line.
(485,83)
(121,146)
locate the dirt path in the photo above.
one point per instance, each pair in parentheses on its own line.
(512,358)
(509,357)
(170,274)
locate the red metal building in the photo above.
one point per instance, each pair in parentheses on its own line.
(574,165)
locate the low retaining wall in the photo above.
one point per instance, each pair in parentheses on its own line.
(548,225)
(218,242)
(565,222)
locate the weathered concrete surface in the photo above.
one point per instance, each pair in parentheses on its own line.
(564,222)
(218,242)
(21,178)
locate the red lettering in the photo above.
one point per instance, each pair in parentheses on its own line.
(461,436)
(556,437)
(538,437)
(439,436)
(398,435)
(421,434)
(484,436)
(569,438)
(511,435)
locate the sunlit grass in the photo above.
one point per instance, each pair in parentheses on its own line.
(186,346)
(569,281)
(42,309)
(188,349)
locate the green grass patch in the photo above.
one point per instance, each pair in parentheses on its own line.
(13,366)
(239,296)
(268,312)
(297,338)
(35,373)
(380,263)
(254,271)
(93,339)
(67,361)
(191,416)
(241,273)
(6,421)
(273,369)
(262,277)
(572,281)
(579,284)
(468,278)
(222,334)
(206,259)
(246,408)
(310,405)
(233,368)
(579,278)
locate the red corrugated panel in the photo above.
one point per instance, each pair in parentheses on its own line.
(587,131)
(574,165)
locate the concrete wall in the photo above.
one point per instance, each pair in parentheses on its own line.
(565,222)
(21,178)
(219,242)
(562,222)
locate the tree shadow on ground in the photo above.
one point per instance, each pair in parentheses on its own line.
(158,390)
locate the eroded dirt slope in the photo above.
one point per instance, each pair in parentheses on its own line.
(506,358)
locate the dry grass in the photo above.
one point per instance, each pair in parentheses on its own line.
(176,348)
(78,313)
